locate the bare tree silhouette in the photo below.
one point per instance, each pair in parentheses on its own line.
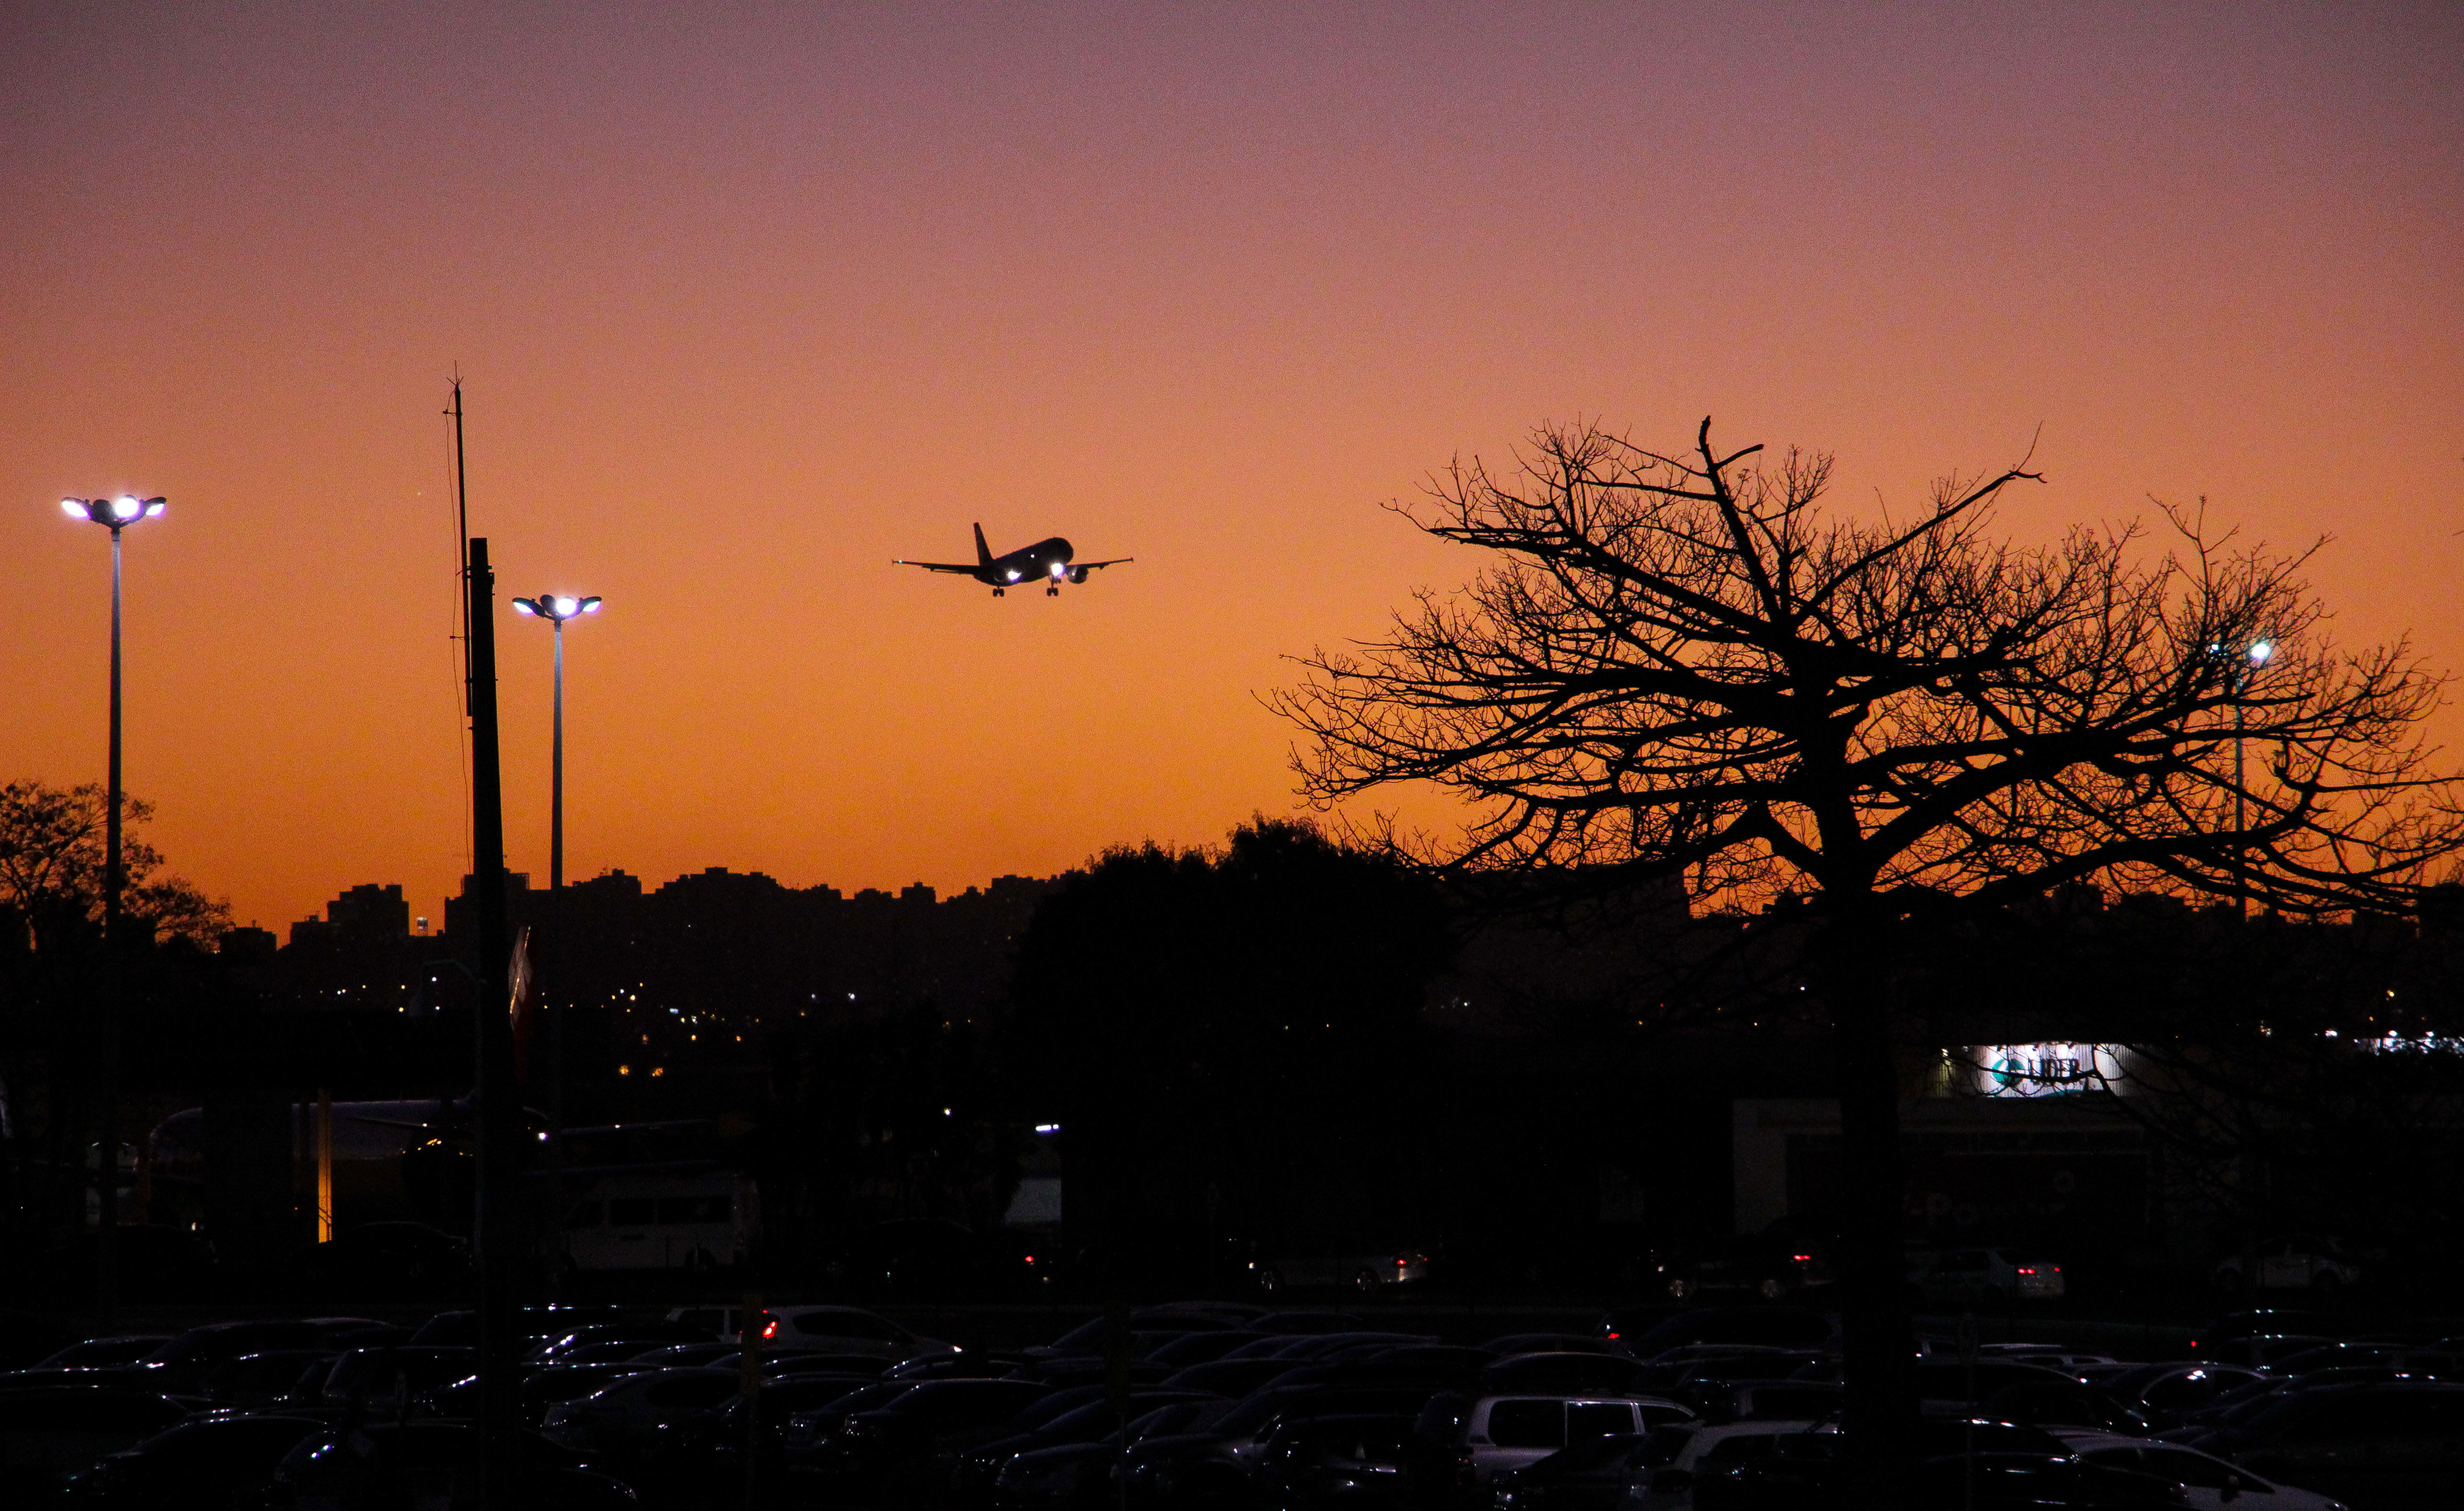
(51,861)
(1684,666)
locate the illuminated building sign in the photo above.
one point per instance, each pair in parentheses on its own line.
(2035,1070)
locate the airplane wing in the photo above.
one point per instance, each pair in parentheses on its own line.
(968,567)
(1092,565)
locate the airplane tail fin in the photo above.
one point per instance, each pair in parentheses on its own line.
(983,553)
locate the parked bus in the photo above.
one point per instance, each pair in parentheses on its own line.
(698,1218)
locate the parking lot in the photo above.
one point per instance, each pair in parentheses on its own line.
(1317,1403)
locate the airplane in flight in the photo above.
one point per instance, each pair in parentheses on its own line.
(1046,561)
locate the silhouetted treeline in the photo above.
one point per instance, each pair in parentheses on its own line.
(1235,1043)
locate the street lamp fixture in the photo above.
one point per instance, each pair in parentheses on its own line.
(113,515)
(557,608)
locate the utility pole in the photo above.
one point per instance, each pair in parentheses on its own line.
(498,1117)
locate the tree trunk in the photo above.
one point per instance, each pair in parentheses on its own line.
(1877,1336)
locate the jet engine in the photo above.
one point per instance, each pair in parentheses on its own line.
(1077,574)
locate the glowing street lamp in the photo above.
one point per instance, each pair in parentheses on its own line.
(113,515)
(2243,663)
(555,610)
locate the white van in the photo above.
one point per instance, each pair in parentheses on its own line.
(651,1220)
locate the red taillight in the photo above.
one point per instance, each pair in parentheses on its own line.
(2027,1269)
(1030,1259)
(1802,1258)
(770,1329)
(1613,1337)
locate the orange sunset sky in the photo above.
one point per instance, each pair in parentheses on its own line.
(751,299)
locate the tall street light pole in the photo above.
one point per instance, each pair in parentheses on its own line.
(113,515)
(555,610)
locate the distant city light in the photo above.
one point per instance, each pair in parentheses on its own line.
(1048,1128)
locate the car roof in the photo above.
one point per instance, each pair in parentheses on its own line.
(1578,1398)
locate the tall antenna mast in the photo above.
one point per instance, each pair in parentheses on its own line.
(462,539)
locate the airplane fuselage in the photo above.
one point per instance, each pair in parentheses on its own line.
(1046,561)
(1050,561)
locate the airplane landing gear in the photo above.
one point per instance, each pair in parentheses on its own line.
(1000,592)
(1051,592)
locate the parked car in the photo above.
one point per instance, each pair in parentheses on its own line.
(899,1450)
(974,1476)
(1807,1468)
(423,1464)
(842,1329)
(1331,1462)
(637,1335)
(2065,1403)
(1217,1463)
(47,1431)
(1966,1276)
(2025,1481)
(181,1366)
(382,1380)
(214,1463)
(622,1418)
(1510,1432)
(1600,1475)
(2208,1482)
(96,1353)
(1367,1270)
(1648,1335)
(1708,1451)
(277,1377)
(1768,1267)
(2387,1441)
(1555,1374)
(2316,1264)
(2162,1391)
